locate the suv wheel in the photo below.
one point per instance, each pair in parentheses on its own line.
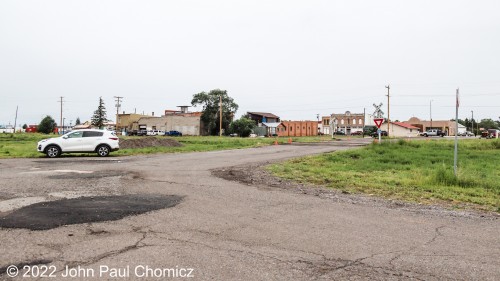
(53,151)
(103,150)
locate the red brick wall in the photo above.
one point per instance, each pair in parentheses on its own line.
(298,128)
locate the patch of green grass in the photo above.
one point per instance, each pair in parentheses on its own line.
(418,171)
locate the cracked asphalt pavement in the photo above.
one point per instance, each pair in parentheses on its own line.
(230,230)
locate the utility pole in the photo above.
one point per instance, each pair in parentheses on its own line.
(15,120)
(61,120)
(430,108)
(472,129)
(388,87)
(220,116)
(118,105)
(455,158)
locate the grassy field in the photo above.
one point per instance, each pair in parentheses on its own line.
(418,171)
(24,145)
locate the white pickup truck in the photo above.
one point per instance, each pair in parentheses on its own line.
(433,133)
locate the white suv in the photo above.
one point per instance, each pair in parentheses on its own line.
(91,140)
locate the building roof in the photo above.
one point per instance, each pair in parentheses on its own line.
(405,125)
(271,125)
(264,114)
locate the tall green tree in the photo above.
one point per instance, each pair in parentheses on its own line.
(99,116)
(243,126)
(47,125)
(211,116)
(78,122)
(25,126)
(488,124)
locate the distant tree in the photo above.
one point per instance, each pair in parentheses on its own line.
(25,126)
(99,116)
(488,124)
(211,116)
(47,125)
(77,122)
(243,126)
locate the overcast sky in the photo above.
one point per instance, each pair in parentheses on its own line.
(295,59)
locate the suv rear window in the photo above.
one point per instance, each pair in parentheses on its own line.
(88,134)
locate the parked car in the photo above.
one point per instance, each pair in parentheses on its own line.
(142,132)
(466,134)
(433,133)
(79,141)
(382,134)
(339,133)
(173,133)
(357,133)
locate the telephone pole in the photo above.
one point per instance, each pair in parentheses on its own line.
(430,111)
(388,87)
(61,120)
(118,105)
(220,116)
(15,120)
(472,125)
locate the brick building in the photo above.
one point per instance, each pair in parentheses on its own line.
(346,122)
(297,128)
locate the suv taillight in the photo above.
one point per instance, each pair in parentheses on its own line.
(113,138)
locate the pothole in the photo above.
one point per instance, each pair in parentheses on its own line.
(48,215)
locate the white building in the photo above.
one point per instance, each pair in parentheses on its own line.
(400,129)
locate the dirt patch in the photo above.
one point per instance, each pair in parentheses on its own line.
(148,142)
(48,215)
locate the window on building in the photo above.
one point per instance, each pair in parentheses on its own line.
(360,121)
(354,121)
(342,121)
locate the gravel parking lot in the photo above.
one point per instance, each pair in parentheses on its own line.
(227,229)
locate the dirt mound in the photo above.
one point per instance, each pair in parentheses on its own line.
(148,142)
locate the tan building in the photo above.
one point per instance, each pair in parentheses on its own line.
(128,121)
(187,124)
(346,122)
(446,126)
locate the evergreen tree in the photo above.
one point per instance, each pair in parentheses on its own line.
(47,125)
(99,116)
(77,122)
